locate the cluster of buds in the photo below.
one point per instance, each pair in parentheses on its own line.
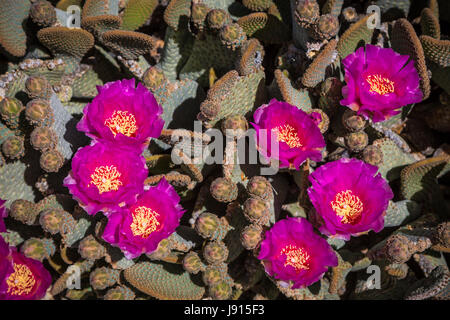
(216,21)
(212,261)
(257,211)
(39,114)
(319,27)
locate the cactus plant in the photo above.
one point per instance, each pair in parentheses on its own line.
(224,64)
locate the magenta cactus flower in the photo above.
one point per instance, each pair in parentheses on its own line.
(379,82)
(123,114)
(349,197)
(21,278)
(105,177)
(3,215)
(139,228)
(292,252)
(295,131)
(6,266)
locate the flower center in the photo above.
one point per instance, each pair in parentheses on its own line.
(122,122)
(145,221)
(296,257)
(106,178)
(21,281)
(380,84)
(288,135)
(348,206)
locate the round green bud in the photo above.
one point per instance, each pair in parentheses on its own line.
(43,138)
(207,225)
(350,14)
(24,211)
(38,249)
(256,210)
(10,110)
(192,263)
(198,15)
(220,291)
(372,155)
(162,251)
(224,190)
(352,121)
(217,19)
(91,249)
(57,221)
(251,236)
(356,141)
(51,160)
(214,274)
(102,278)
(38,112)
(38,87)
(232,36)
(153,78)
(259,187)
(13,147)
(215,252)
(43,13)
(397,249)
(235,126)
(306,12)
(327,27)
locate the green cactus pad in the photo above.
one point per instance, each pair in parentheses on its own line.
(163,281)
(137,12)
(13,13)
(354,37)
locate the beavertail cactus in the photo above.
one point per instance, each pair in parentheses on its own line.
(224,149)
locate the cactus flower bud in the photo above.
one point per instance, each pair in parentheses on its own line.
(10,110)
(259,187)
(224,190)
(51,160)
(38,249)
(91,249)
(251,236)
(217,19)
(38,87)
(24,211)
(43,138)
(215,252)
(39,113)
(102,278)
(43,13)
(356,141)
(192,263)
(220,291)
(13,147)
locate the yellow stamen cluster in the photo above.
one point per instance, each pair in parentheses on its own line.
(21,281)
(296,257)
(145,221)
(348,206)
(122,122)
(288,135)
(106,178)
(380,84)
